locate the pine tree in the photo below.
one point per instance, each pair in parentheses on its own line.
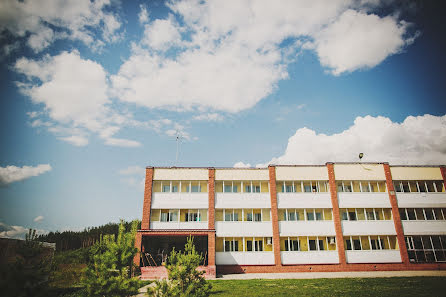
(184,278)
(109,271)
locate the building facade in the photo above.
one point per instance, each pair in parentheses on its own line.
(332,217)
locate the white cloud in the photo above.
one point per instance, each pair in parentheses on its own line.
(228,55)
(75,140)
(143,15)
(358,40)
(242,165)
(74,92)
(73,19)
(161,34)
(121,142)
(38,219)
(10,174)
(17,232)
(210,117)
(417,140)
(135,176)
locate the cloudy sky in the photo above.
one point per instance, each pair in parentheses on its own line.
(94,91)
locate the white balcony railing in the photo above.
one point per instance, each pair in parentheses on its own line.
(419,200)
(368,227)
(304,200)
(244,258)
(309,257)
(244,229)
(242,200)
(178,225)
(424,227)
(366,200)
(180,200)
(373,256)
(306,228)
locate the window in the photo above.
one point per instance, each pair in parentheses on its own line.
(310,216)
(429,214)
(231,245)
(169,216)
(318,216)
(312,245)
(403,215)
(348,244)
(321,245)
(356,244)
(352,216)
(258,244)
(228,189)
(291,216)
(249,245)
(249,217)
(166,188)
(428,186)
(257,217)
(426,248)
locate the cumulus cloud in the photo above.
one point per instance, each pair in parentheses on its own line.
(74,92)
(134,176)
(229,55)
(45,21)
(358,40)
(17,232)
(143,15)
(132,170)
(417,140)
(38,219)
(242,165)
(10,174)
(209,117)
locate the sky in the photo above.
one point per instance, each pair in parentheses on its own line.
(92,92)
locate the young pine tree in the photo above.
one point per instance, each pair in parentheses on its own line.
(184,278)
(109,271)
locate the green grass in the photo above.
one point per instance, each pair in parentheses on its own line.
(396,287)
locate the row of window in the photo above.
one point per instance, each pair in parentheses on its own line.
(243,244)
(305,243)
(361,186)
(179,215)
(246,215)
(365,214)
(297,186)
(242,187)
(423,214)
(309,214)
(412,186)
(426,248)
(195,186)
(302,186)
(380,242)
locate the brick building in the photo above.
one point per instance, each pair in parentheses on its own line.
(332,217)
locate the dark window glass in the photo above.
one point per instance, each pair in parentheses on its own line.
(429,214)
(375,244)
(312,244)
(249,217)
(397,187)
(356,244)
(318,216)
(286,246)
(344,216)
(235,245)
(440,256)
(228,189)
(291,216)
(426,242)
(295,245)
(417,243)
(411,214)
(310,216)
(429,256)
(422,186)
(227,246)
(436,242)
(348,244)
(403,214)
(249,245)
(352,216)
(406,187)
(257,217)
(321,245)
(412,257)
(420,256)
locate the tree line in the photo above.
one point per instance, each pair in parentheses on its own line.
(71,240)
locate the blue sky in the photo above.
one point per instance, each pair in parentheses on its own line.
(94,91)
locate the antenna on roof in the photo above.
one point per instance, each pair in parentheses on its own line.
(178,140)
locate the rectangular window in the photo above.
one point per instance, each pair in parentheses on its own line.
(348,244)
(403,215)
(370,215)
(352,215)
(249,217)
(356,244)
(345,216)
(249,245)
(166,188)
(257,217)
(228,188)
(321,245)
(406,188)
(164,216)
(411,214)
(248,189)
(375,244)
(310,216)
(422,186)
(291,216)
(318,216)
(429,214)
(259,245)
(295,245)
(312,245)
(398,187)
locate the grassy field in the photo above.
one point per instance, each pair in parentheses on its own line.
(396,287)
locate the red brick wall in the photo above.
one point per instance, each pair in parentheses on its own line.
(211,190)
(274,215)
(396,214)
(147,199)
(443,173)
(336,214)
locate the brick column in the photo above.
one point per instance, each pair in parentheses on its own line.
(211,222)
(145,223)
(336,215)
(274,214)
(211,206)
(443,173)
(396,214)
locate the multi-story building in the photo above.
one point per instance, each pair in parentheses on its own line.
(332,217)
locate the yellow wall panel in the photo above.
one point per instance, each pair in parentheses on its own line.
(416,173)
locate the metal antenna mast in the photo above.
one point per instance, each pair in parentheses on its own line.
(178,140)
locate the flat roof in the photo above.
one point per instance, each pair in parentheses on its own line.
(287,165)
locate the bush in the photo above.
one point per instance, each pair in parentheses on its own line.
(184,278)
